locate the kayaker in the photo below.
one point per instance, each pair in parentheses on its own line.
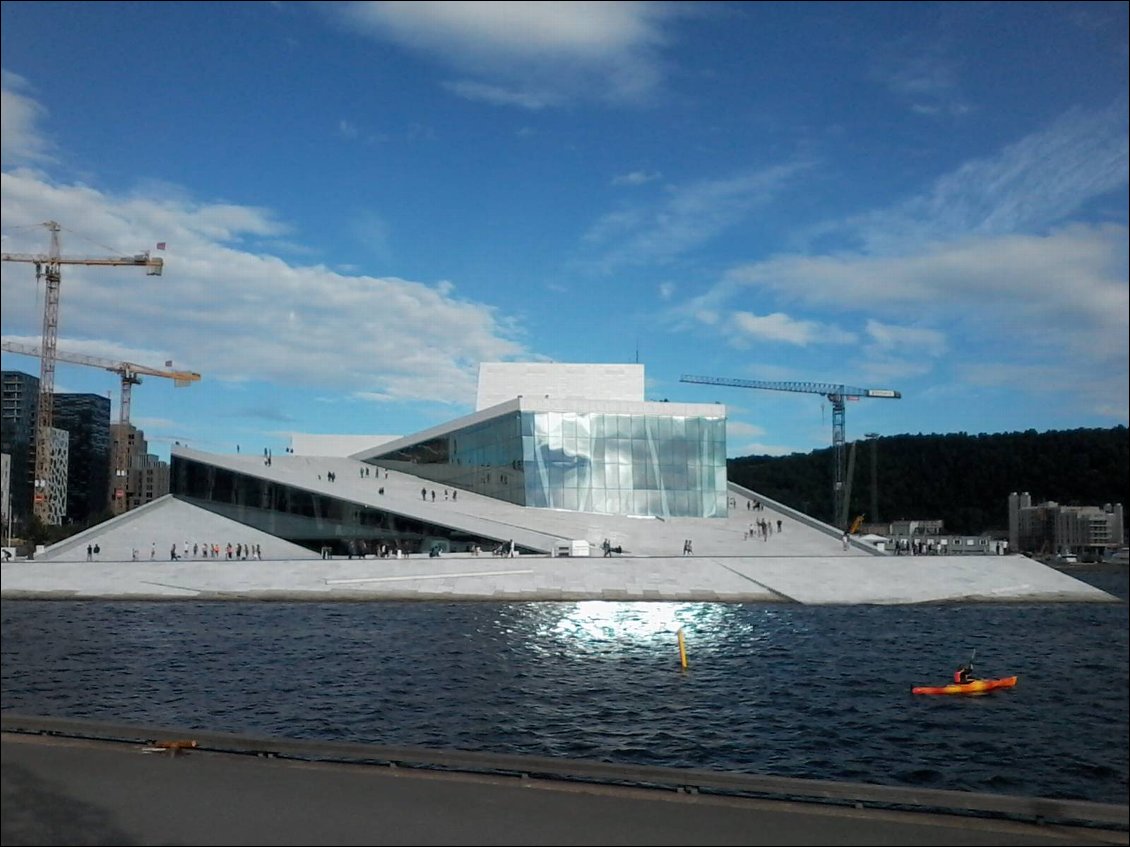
(963,674)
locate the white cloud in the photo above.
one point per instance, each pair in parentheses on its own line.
(745,328)
(221,310)
(21,140)
(1065,289)
(568,48)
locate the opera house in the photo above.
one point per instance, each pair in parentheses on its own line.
(552,454)
(557,461)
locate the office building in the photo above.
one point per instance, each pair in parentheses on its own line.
(86,419)
(1051,529)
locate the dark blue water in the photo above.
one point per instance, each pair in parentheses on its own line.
(818,692)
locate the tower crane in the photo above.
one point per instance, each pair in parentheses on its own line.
(836,394)
(49,267)
(130,374)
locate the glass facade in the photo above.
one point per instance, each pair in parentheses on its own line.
(619,464)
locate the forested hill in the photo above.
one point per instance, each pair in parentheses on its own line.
(961,479)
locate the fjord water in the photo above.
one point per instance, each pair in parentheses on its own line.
(814,692)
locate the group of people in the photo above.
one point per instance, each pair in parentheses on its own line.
(763,529)
(241,551)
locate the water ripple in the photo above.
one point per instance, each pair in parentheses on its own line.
(781,690)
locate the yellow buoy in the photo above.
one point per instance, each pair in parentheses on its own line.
(682,648)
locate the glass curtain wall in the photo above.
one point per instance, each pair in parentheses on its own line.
(618,464)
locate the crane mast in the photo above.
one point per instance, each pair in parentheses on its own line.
(48,267)
(130,374)
(837,395)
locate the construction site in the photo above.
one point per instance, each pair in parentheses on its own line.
(41,467)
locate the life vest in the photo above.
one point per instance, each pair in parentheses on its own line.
(961,675)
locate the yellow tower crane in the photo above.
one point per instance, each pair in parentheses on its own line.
(49,267)
(130,374)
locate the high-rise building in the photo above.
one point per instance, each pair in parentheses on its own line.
(146,477)
(76,489)
(19,400)
(86,417)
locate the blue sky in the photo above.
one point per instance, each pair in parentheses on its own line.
(362,201)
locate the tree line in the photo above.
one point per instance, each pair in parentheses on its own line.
(961,479)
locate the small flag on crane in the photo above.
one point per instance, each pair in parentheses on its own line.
(160,245)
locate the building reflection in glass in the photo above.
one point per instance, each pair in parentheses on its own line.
(619,464)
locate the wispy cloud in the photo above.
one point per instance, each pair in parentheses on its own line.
(1039,181)
(636,178)
(925,78)
(686,217)
(497,95)
(886,338)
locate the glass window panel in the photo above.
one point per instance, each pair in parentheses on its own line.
(675,479)
(598,501)
(639,426)
(639,502)
(584,426)
(569,499)
(535,496)
(639,452)
(598,450)
(678,428)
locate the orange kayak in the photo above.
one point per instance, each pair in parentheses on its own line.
(976,686)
